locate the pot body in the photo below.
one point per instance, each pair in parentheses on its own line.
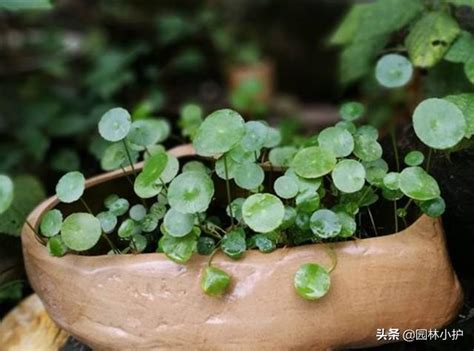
(147,302)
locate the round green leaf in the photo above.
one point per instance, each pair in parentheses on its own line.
(282,156)
(109,200)
(325,224)
(138,243)
(308,201)
(51,223)
(138,212)
(146,132)
(417,184)
(349,126)
(56,246)
(414,158)
(255,136)
(129,228)
(180,249)
(375,171)
(191,192)
(119,207)
(263,243)
(240,155)
(304,184)
(313,162)
(393,71)
(81,231)
(6,193)
(263,212)
(214,282)
(205,245)
(348,224)
(115,124)
(158,210)
(219,133)
(286,187)
(338,140)
(392,181)
(289,218)
(114,157)
(350,111)
(108,221)
(149,223)
(236,206)
(312,281)
(178,224)
(368,132)
(433,208)
(249,176)
(148,184)
(231,167)
(196,166)
(70,187)
(233,243)
(273,138)
(170,171)
(438,123)
(349,176)
(367,149)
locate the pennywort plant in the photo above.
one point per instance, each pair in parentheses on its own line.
(275,195)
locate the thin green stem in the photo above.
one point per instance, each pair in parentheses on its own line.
(127,176)
(127,151)
(227,186)
(332,255)
(21,215)
(211,257)
(394,145)
(86,206)
(428,161)
(372,221)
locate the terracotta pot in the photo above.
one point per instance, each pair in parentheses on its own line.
(147,302)
(262,71)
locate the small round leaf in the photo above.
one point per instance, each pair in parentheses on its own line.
(349,176)
(312,281)
(313,162)
(191,192)
(115,124)
(263,212)
(214,281)
(51,223)
(414,158)
(249,176)
(350,111)
(81,231)
(338,140)
(70,187)
(417,184)
(438,123)
(433,208)
(178,224)
(286,187)
(219,133)
(393,71)
(325,224)
(108,221)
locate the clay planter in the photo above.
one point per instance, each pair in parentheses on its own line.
(147,302)
(262,71)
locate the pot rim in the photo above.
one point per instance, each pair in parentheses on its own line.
(27,235)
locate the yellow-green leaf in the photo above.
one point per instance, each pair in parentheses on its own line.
(430,38)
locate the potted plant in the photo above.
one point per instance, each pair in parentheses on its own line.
(244,243)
